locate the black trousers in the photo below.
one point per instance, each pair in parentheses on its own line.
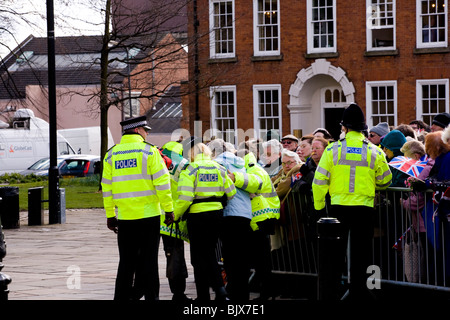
(261,261)
(138,242)
(235,236)
(203,228)
(358,221)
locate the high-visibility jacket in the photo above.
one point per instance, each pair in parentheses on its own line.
(350,170)
(201,187)
(174,147)
(178,164)
(135,180)
(256,181)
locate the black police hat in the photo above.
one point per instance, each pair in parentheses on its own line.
(353,118)
(135,123)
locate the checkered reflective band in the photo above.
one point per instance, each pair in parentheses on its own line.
(134,125)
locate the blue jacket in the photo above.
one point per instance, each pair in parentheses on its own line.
(240,205)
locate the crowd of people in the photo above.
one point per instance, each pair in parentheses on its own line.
(210,193)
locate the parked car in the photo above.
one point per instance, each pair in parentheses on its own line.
(75,165)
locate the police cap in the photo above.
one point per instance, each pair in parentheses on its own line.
(135,123)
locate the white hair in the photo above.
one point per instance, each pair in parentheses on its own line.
(446,135)
(291,154)
(219,146)
(274,145)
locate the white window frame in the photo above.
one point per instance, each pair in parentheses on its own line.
(256,33)
(215,116)
(135,103)
(256,116)
(419,29)
(212,34)
(369,100)
(377,14)
(419,96)
(310,30)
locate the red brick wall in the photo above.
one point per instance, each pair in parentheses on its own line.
(405,67)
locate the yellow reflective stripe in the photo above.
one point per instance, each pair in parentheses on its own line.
(384,185)
(106,181)
(145,159)
(186,198)
(260,181)
(230,189)
(108,158)
(373,158)
(209,189)
(107,194)
(185,188)
(268,195)
(384,175)
(245,184)
(135,194)
(127,177)
(321,182)
(323,171)
(159,174)
(162,187)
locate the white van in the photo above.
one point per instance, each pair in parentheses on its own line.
(86,140)
(27,141)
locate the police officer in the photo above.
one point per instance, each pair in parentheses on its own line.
(351,169)
(203,189)
(175,235)
(137,182)
(265,211)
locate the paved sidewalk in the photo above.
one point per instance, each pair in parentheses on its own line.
(44,261)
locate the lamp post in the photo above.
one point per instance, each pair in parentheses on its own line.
(53,174)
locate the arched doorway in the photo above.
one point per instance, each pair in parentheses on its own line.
(307,107)
(333,106)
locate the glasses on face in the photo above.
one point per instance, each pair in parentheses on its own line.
(287,163)
(286,142)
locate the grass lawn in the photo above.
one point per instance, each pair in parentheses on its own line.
(81,193)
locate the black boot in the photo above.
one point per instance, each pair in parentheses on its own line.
(221,294)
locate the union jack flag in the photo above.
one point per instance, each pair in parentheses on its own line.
(409,166)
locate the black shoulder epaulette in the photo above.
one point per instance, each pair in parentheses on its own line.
(110,148)
(149,143)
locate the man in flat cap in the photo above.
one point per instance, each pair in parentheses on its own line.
(290,142)
(136,182)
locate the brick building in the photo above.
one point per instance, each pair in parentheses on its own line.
(295,65)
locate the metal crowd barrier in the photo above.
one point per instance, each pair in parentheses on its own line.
(411,247)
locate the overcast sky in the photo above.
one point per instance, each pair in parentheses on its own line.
(72,17)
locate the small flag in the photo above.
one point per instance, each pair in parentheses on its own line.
(409,166)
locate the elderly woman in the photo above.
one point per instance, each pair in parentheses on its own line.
(271,157)
(291,165)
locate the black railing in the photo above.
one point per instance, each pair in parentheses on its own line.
(410,246)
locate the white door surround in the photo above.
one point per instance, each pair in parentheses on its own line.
(305,94)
